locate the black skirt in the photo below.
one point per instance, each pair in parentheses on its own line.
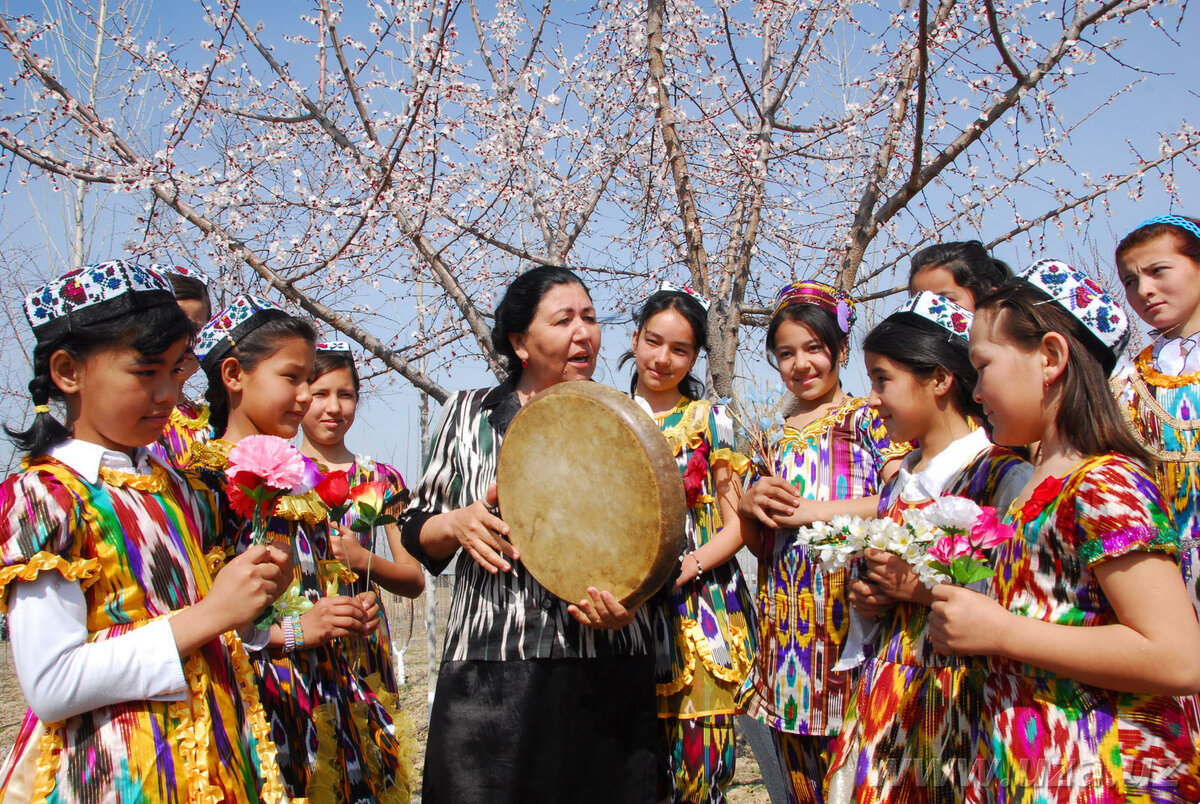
(543,730)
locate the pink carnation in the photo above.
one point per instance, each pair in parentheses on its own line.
(278,463)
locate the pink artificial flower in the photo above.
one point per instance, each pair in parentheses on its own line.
(950,547)
(278,463)
(989,531)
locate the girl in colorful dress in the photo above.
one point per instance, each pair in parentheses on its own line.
(335,729)
(911,717)
(334,389)
(1159,266)
(122,639)
(703,633)
(961,271)
(1088,630)
(1159,392)
(188,424)
(831,458)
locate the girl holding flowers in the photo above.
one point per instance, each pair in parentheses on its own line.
(703,633)
(911,717)
(1088,631)
(122,639)
(335,728)
(831,458)
(334,388)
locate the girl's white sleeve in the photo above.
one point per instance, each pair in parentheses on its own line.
(62,674)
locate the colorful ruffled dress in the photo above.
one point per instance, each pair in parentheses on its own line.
(187,427)
(1053,739)
(703,631)
(803,612)
(133,542)
(339,734)
(914,714)
(372,654)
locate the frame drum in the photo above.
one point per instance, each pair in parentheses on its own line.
(591,493)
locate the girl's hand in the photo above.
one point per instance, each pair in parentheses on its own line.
(482,534)
(332,617)
(966,622)
(246,585)
(347,549)
(602,611)
(370,606)
(892,576)
(867,599)
(767,499)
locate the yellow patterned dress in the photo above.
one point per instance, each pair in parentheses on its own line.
(339,735)
(703,631)
(133,542)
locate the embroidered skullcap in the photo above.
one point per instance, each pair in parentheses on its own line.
(939,311)
(687,290)
(334,347)
(827,297)
(244,315)
(1086,300)
(181,270)
(95,293)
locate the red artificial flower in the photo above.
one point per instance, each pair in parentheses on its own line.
(236,488)
(694,474)
(1046,492)
(334,489)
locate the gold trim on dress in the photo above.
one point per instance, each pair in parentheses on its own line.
(153,483)
(182,420)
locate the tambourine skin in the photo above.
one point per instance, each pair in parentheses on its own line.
(591,493)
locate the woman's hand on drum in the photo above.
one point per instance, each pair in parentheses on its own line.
(483,534)
(602,611)
(768,499)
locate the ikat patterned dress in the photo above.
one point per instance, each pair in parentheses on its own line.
(803,613)
(914,713)
(339,734)
(703,632)
(133,542)
(1159,396)
(187,426)
(1053,739)
(372,654)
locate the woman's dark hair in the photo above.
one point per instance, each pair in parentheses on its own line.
(150,331)
(250,350)
(1186,242)
(1088,417)
(823,323)
(922,346)
(189,288)
(516,309)
(326,362)
(968,261)
(692,312)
